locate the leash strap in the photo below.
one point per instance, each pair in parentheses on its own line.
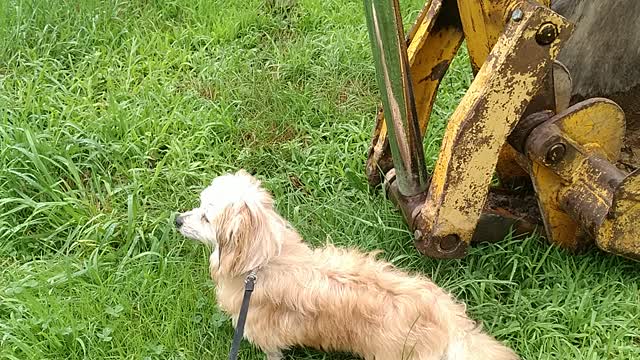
(249,284)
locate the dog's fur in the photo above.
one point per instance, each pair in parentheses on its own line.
(330,299)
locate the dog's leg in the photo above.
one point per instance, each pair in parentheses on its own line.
(274,355)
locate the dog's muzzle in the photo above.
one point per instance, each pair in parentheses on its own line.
(179,221)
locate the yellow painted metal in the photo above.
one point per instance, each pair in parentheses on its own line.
(430,57)
(598,126)
(495,101)
(433,43)
(483,22)
(583,196)
(560,227)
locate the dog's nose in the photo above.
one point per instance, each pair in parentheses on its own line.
(179,221)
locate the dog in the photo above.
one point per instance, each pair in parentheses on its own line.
(330,299)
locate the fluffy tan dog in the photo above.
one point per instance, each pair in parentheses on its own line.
(329,299)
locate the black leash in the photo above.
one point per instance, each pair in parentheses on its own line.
(249,284)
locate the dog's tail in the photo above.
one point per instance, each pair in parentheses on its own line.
(477,345)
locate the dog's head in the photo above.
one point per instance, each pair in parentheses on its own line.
(236,218)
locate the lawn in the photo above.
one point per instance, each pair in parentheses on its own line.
(114,114)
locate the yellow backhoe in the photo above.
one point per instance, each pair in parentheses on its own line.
(553,114)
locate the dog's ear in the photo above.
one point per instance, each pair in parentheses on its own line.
(245,173)
(247,240)
(242,172)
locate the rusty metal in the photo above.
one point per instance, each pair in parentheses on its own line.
(552,97)
(409,205)
(578,186)
(547,33)
(619,233)
(515,120)
(519,135)
(555,153)
(484,21)
(477,130)
(588,199)
(505,213)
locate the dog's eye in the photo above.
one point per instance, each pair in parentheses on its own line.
(204,218)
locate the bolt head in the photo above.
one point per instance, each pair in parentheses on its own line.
(547,33)
(556,153)
(517,15)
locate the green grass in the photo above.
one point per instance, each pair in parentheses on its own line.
(115,114)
